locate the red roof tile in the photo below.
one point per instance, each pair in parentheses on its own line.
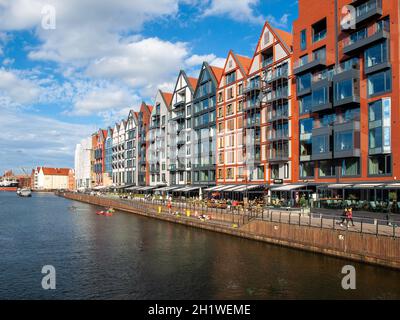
(193,82)
(167,97)
(55,171)
(285,36)
(218,72)
(244,61)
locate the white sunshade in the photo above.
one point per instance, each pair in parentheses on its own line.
(234,188)
(223,188)
(393,186)
(192,189)
(368,185)
(212,188)
(339,186)
(100,188)
(288,187)
(247,188)
(167,188)
(147,188)
(181,189)
(132,188)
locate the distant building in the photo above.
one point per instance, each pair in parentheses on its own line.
(71,180)
(51,178)
(83,152)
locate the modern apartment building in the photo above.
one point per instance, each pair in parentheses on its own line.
(83,153)
(118,158)
(180,147)
(131,149)
(158,134)
(268,109)
(108,157)
(143,144)
(346,57)
(204,126)
(231,154)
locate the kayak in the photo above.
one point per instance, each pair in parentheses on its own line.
(104,213)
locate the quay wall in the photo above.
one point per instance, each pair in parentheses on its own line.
(367,248)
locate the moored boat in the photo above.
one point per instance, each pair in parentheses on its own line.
(24,192)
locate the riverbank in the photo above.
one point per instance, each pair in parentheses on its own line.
(382,250)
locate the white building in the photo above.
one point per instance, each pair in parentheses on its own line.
(158,136)
(180,131)
(131,165)
(83,152)
(52,178)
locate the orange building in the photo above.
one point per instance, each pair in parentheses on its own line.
(346,62)
(98,143)
(143,144)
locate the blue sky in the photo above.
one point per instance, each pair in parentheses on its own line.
(103,57)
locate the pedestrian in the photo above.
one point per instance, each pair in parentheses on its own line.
(344,216)
(169,206)
(389,222)
(350,217)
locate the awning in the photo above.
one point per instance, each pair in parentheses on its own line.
(339,186)
(368,185)
(223,188)
(393,186)
(180,189)
(100,188)
(192,189)
(288,187)
(133,188)
(234,188)
(247,187)
(167,188)
(147,188)
(212,188)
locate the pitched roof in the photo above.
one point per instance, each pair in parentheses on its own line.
(193,82)
(55,171)
(218,72)
(244,61)
(285,36)
(167,97)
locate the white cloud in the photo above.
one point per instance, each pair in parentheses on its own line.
(16,88)
(240,10)
(30,140)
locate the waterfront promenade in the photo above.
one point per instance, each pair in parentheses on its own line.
(367,242)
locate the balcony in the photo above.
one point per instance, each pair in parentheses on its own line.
(252,123)
(278,156)
(177,167)
(347,139)
(178,116)
(362,39)
(276,75)
(365,11)
(304,65)
(252,104)
(321,95)
(321,143)
(280,94)
(179,105)
(252,86)
(277,115)
(277,136)
(346,86)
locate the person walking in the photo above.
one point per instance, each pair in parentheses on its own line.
(344,216)
(350,217)
(169,206)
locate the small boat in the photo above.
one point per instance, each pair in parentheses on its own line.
(24,192)
(107,213)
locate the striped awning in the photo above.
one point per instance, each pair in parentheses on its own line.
(368,185)
(167,188)
(248,187)
(339,186)
(288,187)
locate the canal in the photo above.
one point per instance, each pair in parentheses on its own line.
(132,257)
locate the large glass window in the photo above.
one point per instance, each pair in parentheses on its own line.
(343,89)
(320,96)
(380,83)
(350,167)
(319,30)
(305,104)
(304,82)
(306,126)
(376,54)
(230,78)
(326,169)
(307,170)
(344,141)
(375,138)
(380,165)
(321,144)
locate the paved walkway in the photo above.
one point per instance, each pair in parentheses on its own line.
(368,225)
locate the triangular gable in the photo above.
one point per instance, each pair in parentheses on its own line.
(211,72)
(236,62)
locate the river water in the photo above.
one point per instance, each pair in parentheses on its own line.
(132,257)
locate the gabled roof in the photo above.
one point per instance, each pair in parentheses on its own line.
(218,72)
(285,37)
(244,61)
(167,98)
(193,82)
(55,171)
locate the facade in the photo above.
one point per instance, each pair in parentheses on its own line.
(347,69)
(204,126)
(231,155)
(180,137)
(99,156)
(108,158)
(143,144)
(83,153)
(158,134)
(131,149)
(268,109)
(52,178)
(118,157)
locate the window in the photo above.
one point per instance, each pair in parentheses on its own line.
(321,144)
(260,173)
(286,171)
(380,126)
(380,165)
(320,96)
(275,171)
(240,106)
(220,97)
(319,30)
(320,54)
(230,93)
(229,173)
(306,126)
(375,138)
(303,40)
(303,82)
(307,170)
(379,83)
(305,104)
(240,89)
(376,54)
(350,167)
(229,110)
(230,78)
(327,169)
(344,141)
(343,89)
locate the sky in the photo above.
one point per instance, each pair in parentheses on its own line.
(69,67)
